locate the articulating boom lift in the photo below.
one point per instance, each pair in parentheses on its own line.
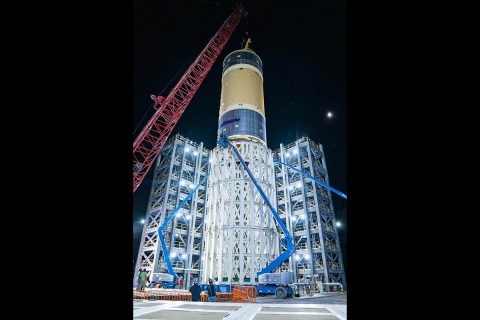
(275,283)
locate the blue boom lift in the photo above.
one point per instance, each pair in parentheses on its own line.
(341,194)
(270,282)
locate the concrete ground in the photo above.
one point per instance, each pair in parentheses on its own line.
(328,307)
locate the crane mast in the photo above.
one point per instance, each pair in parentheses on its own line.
(156,132)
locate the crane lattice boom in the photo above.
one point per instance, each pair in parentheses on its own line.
(154,135)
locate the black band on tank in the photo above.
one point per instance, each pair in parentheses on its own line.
(242,122)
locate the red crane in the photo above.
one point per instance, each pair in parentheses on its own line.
(152,138)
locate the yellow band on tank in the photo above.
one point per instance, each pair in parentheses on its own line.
(242,86)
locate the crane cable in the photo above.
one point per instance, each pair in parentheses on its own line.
(245,33)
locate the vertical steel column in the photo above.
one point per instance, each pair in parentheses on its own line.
(177,201)
(319,219)
(337,240)
(305,204)
(288,208)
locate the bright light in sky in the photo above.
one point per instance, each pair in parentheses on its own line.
(329,114)
(338,224)
(142,221)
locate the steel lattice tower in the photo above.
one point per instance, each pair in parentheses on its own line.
(307,210)
(181,165)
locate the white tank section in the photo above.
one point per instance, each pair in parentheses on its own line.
(240,231)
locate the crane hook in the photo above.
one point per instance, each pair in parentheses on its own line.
(158,100)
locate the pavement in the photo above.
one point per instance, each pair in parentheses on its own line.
(325,307)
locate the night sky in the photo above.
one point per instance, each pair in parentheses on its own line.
(303,48)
